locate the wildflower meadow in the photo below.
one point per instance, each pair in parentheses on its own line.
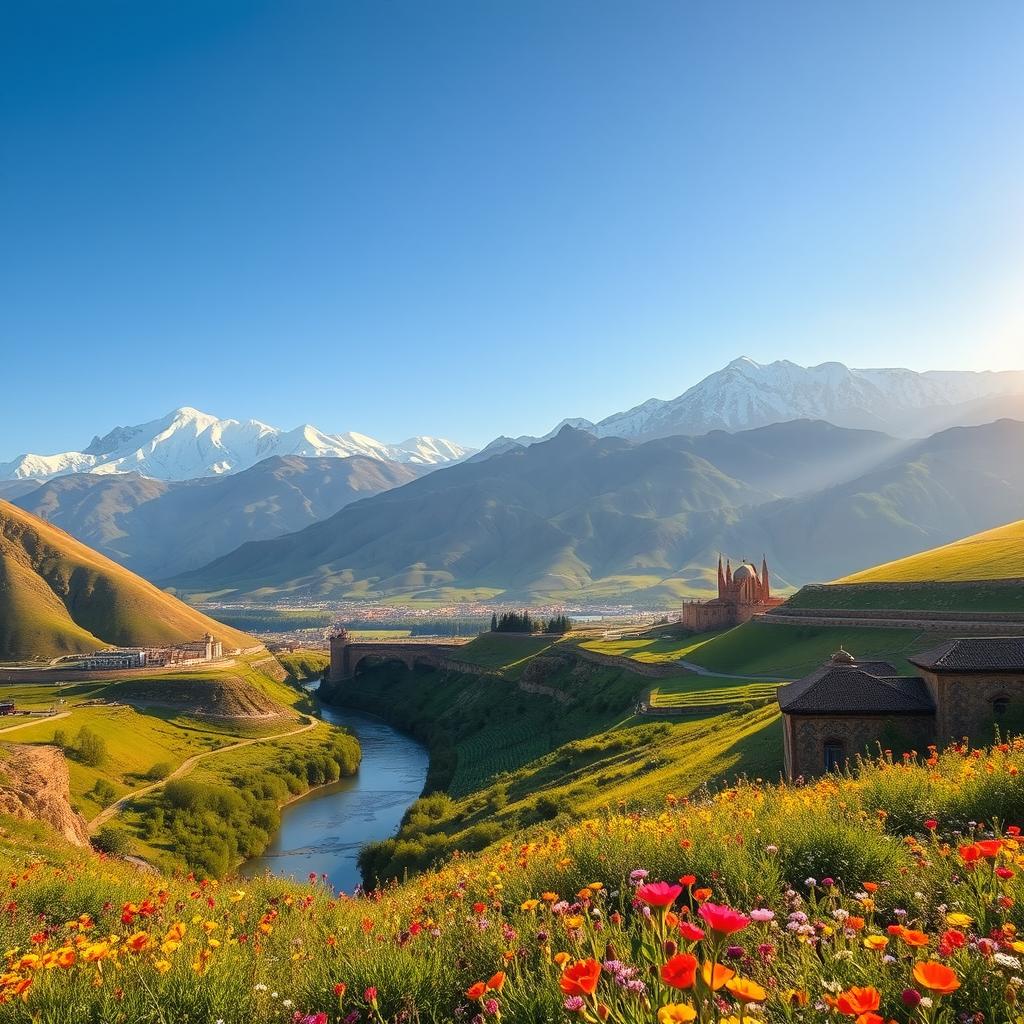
(892,893)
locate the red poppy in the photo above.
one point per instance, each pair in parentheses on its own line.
(688,880)
(680,971)
(690,932)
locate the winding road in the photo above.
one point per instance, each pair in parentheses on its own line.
(185,767)
(34,721)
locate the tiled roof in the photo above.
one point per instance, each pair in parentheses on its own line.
(849,689)
(974,654)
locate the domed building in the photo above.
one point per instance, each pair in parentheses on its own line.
(742,594)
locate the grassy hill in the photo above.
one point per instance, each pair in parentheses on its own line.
(994,554)
(58,596)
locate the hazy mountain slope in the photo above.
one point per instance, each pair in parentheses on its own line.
(993,554)
(745,394)
(548,519)
(159,528)
(58,596)
(186,444)
(953,484)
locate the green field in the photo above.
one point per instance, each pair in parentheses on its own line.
(786,652)
(503,652)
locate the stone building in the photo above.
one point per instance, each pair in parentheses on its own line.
(966,688)
(741,595)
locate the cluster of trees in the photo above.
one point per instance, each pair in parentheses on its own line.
(88,747)
(213,827)
(523,622)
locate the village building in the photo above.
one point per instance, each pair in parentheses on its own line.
(965,690)
(742,594)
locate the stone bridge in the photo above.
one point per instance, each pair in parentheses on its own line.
(347,655)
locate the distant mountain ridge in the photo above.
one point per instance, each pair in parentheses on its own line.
(580,517)
(745,395)
(187,444)
(158,528)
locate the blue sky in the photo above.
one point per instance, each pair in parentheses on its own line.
(470,219)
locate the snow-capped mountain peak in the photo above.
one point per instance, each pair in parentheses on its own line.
(188,443)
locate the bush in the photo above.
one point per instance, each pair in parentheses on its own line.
(159,771)
(113,839)
(89,748)
(103,792)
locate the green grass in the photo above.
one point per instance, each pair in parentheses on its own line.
(997,596)
(658,649)
(994,554)
(506,653)
(303,665)
(784,651)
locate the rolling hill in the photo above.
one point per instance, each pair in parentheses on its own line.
(994,554)
(58,596)
(158,528)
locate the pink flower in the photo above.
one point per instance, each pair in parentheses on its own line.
(658,894)
(690,932)
(723,919)
(762,914)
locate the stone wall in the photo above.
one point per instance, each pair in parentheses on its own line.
(966,705)
(805,736)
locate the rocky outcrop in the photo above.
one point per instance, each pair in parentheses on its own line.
(34,787)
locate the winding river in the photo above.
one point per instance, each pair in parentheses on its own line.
(324,830)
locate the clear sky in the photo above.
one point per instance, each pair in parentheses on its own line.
(476,218)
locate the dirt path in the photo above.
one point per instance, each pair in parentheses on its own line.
(699,670)
(186,766)
(35,721)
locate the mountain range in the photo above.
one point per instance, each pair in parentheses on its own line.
(187,444)
(601,518)
(746,394)
(158,528)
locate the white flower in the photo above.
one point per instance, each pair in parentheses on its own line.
(287,1004)
(926,1002)
(1005,960)
(259,987)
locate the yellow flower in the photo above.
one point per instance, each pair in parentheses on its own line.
(676,1013)
(875,941)
(161,966)
(958,920)
(529,904)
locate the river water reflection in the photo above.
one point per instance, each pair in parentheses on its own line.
(324,830)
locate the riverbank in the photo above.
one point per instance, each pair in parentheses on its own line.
(323,831)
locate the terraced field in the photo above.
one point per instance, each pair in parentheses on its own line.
(707,694)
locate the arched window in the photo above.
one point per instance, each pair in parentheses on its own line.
(835,755)
(1000,705)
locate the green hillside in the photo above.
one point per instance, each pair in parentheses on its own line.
(57,596)
(994,554)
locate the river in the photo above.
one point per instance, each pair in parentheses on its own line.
(324,830)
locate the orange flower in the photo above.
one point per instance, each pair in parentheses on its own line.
(856,1001)
(680,971)
(676,1013)
(580,978)
(137,942)
(496,982)
(746,991)
(914,938)
(721,976)
(476,990)
(935,976)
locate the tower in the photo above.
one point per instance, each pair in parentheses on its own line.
(721,578)
(728,573)
(766,590)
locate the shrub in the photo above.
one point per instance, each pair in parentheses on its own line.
(113,839)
